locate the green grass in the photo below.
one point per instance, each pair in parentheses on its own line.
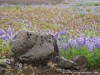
(89,3)
(5,49)
(1,45)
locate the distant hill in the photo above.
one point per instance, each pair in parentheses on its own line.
(27,2)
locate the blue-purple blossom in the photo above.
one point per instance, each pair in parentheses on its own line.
(98,43)
(90,43)
(29,25)
(25,20)
(81,41)
(57,34)
(94,37)
(8,61)
(20,66)
(87,44)
(2,32)
(70,43)
(10,31)
(58,37)
(79,1)
(91,47)
(84,27)
(64,46)
(76,45)
(5,37)
(62,32)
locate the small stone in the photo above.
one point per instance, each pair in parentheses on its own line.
(84,70)
(59,70)
(81,62)
(63,63)
(77,67)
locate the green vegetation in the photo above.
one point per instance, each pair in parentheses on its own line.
(89,3)
(93,57)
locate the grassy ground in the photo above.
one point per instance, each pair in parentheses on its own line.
(49,18)
(30,1)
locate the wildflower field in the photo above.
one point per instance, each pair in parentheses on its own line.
(76,28)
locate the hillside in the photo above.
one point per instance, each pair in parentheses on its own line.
(30,1)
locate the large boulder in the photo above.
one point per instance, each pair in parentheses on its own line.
(33,47)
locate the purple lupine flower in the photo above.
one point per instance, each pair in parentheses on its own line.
(62,32)
(56,34)
(87,44)
(5,37)
(8,61)
(94,37)
(87,39)
(76,45)
(70,42)
(95,42)
(58,37)
(20,66)
(25,20)
(64,46)
(29,25)
(80,41)
(10,31)
(98,43)
(79,1)
(91,47)
(2,32)
(84,27)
